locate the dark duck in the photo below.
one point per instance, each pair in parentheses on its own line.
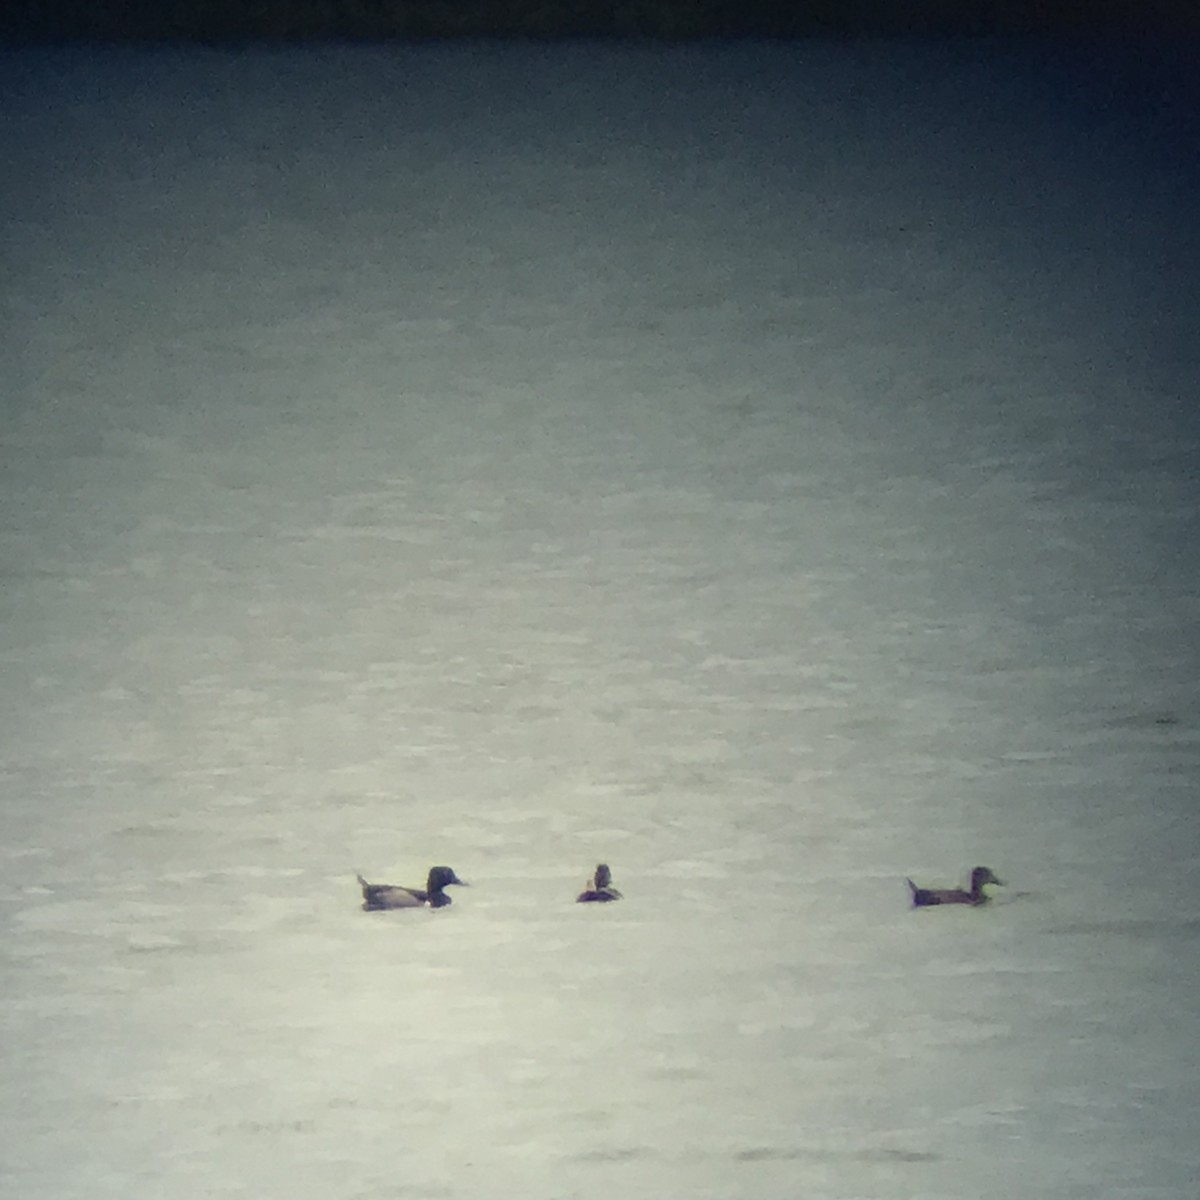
(389,895)
(599,888)
(980,878)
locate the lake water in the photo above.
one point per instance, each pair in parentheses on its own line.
(769,470)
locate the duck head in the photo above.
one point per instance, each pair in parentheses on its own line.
(441,877)
(984,875)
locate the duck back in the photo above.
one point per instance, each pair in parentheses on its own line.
(378,896)
(928,897)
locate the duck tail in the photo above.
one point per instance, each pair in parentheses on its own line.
(912,887)
(362,883)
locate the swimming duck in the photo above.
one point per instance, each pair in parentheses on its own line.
(599,887)
(388,895)
(980,876)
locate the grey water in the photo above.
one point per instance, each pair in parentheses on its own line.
(768,469)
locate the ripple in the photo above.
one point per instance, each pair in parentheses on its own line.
(869,1154)
(613,1154)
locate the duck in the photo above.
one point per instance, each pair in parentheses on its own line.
(599,888)
(980,877)
(389,895)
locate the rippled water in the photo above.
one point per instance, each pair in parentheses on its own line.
(769,471)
